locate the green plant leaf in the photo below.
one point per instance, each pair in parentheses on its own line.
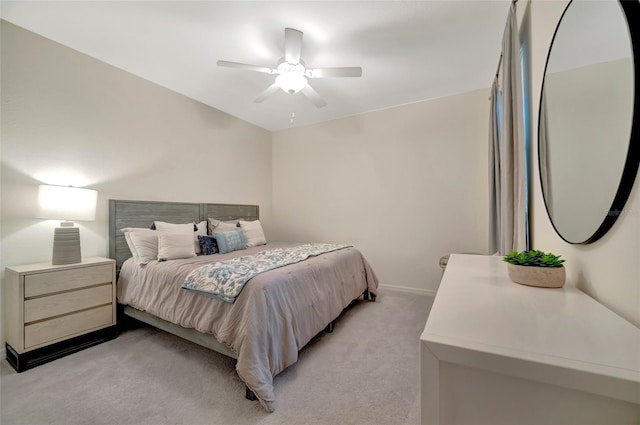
(534,258)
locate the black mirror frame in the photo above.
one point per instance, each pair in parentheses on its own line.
(631,10)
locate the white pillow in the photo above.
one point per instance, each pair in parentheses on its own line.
(217,226)
(143,243)
(202,230)
(175,240)
(130,244)
(253,233)
(173,245)
(173,228)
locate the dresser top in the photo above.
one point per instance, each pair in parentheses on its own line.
(45,267)
(479,315)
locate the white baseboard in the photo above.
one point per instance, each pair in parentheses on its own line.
(407,290)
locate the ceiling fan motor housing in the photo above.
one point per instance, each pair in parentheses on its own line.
(292,73)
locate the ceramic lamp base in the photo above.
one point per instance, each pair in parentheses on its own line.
(66,245)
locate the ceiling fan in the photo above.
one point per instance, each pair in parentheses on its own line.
(292,73)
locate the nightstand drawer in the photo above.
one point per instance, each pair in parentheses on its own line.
(64,280)
(66,302)
(69,325)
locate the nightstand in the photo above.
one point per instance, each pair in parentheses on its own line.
(52,311)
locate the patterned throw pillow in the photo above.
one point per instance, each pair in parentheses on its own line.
(208,244)
(230,241)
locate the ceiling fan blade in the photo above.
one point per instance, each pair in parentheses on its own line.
(313,96)
(353,71)
(246,66)
(292,45)
(268,92)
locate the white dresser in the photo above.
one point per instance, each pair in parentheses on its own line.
(54,310)
(496,352)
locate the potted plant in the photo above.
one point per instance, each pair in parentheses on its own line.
(536,268)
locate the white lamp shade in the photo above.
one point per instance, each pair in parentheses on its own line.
(66,203)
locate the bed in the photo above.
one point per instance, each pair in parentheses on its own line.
(274,316)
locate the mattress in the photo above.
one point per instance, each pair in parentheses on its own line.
(274,316)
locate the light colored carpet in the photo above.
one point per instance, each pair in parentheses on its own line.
(365,372)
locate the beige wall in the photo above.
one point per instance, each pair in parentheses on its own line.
(405,185)
(609,269)
(70,119)
(416,174)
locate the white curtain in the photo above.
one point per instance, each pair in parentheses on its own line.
(494,168)
(508,228)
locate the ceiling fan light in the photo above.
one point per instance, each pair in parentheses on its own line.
(291,82)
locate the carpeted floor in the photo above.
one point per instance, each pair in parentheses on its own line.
(365,372)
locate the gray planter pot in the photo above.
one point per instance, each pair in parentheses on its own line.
(543,277)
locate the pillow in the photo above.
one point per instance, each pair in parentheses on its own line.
(153,226)
(144,243)
(172,240)
(230,241)
(201,230)
(130,244)
(217,226)
(173,245)
(208,244)
(253,233)
(161,226)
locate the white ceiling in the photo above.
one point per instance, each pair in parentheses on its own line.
(408,50)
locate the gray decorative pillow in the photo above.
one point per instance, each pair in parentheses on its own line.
(230,241)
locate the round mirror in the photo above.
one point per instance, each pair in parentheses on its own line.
(587,129)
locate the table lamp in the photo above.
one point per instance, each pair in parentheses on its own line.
(68,204)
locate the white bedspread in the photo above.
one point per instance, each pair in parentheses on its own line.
(275,315)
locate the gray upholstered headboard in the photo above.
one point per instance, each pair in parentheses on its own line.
(143,213)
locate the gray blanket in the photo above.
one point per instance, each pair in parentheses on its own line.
(297,301)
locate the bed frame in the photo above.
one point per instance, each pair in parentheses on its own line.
(142,214)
